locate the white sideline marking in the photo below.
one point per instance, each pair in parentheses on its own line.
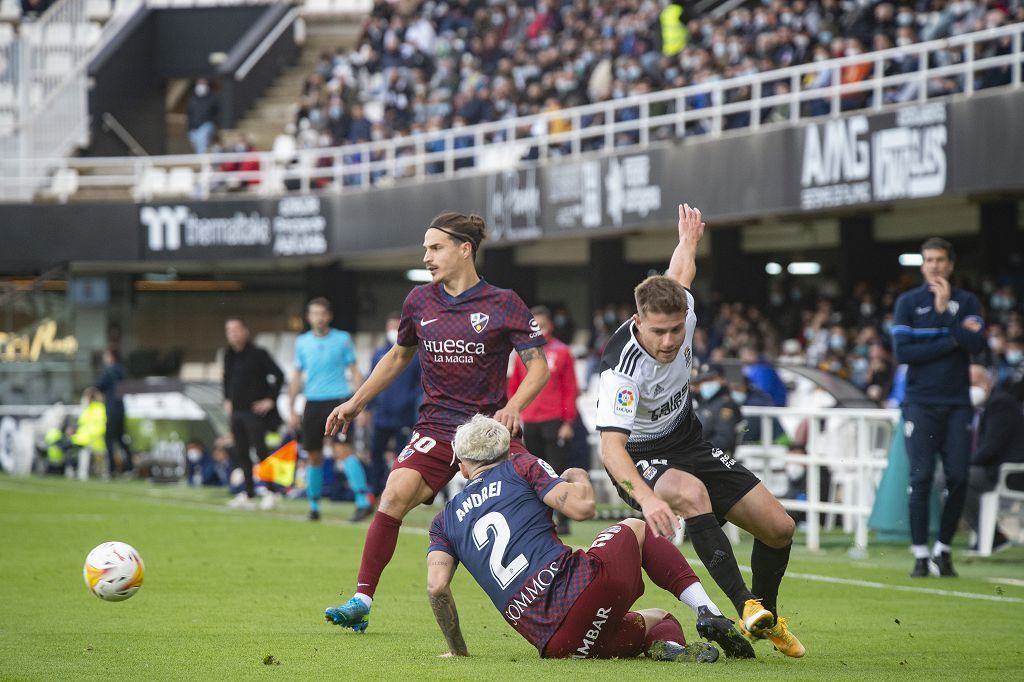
(899,588)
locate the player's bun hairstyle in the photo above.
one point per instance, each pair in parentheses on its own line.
(660,294)
(461,228)
(481,440)
(939,243)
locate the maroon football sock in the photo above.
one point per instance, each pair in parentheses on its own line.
(667,630)
(381,539)
(664,564)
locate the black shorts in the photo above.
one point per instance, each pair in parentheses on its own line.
(314,421)
(725,478)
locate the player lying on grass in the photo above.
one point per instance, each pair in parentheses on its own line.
(565,603)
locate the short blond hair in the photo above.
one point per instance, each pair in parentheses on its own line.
(660,294)
(481,440)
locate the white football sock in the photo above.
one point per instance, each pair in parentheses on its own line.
(920,551)
(694,596)
(940,548)
(365,599)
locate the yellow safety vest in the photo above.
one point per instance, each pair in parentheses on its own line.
(673,33)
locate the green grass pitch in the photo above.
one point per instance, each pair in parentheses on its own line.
(224,591)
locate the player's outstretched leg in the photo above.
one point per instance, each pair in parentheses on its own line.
(670,570)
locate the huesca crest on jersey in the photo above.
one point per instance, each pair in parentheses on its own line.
(479,321)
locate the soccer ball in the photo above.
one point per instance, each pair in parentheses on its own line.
(113,571)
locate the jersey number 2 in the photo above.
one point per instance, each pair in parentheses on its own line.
(503,574)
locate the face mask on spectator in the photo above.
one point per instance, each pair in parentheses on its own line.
(867,309)
(904,19)
(994,342)
(860,364)
(825,37)
(1013,357)
(708,389)
(738,397)
(786,18)
(719,49)
(836,342)
(671,74)
(903,42)
(194,454)
(978,396)
(886,326)
(392,336)
(202,89)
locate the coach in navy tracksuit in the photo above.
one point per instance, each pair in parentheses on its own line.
(935,330)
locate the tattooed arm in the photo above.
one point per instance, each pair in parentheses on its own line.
(440,569)
(574,497)
(537,374)
(619,464)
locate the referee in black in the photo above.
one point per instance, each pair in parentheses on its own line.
(936,328)
(252,382)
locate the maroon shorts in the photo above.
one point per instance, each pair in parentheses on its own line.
(600,624)
(435,460)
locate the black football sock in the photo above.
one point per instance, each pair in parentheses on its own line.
(716,554)
(768,565)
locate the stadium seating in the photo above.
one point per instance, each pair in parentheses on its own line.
(442,65)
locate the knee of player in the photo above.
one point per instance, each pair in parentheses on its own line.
(687,500)
(781,532)
(638,527)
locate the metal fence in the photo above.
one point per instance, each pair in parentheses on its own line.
(922,72)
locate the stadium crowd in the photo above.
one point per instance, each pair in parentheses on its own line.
(421,67)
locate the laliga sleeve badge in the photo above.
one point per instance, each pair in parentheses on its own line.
(625,401)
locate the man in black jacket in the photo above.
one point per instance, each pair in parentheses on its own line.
(718,413)
(997,437)
(203,113)
(252,381)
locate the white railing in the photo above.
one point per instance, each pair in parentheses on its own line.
(853,444)
(44,112)
(713,108)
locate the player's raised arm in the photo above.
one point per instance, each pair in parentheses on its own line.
(440,569)
(683,265)
(574,497)
(622,470)
(386,371)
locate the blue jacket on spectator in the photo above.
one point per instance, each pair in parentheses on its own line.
(396,405)
(768,380)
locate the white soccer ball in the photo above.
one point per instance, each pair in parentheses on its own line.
(113,571)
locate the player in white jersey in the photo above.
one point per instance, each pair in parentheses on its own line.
(655,453)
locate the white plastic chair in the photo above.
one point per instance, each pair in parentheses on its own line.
(990,503)
(181,181)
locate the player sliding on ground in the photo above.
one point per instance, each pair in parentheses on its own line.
(465,329)
(654,450)
(565,603)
